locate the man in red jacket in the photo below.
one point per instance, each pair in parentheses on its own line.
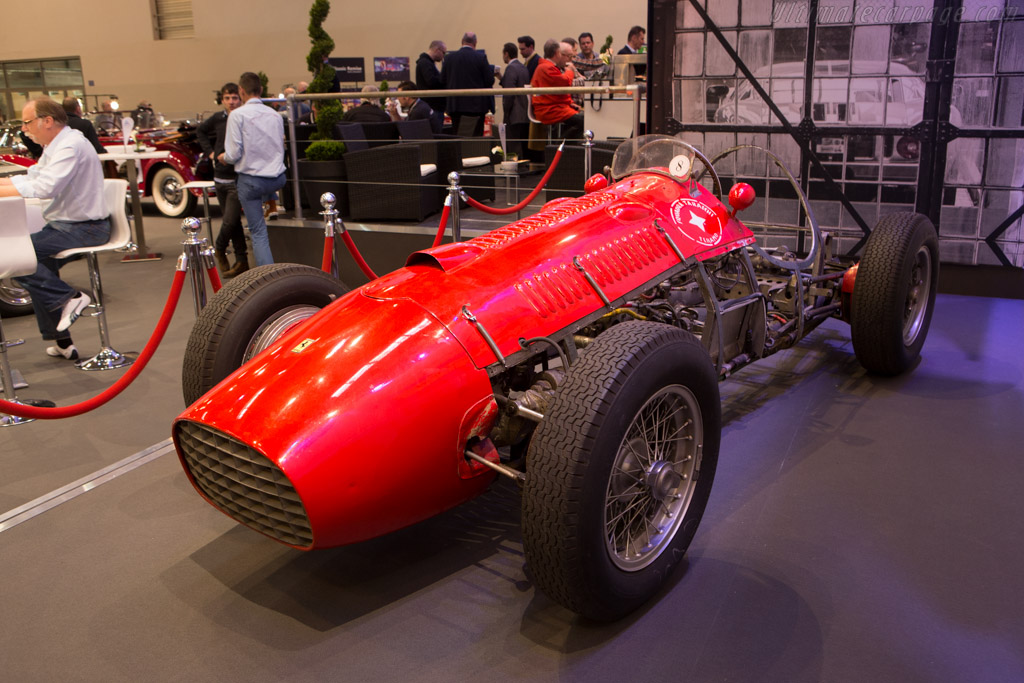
(552,109)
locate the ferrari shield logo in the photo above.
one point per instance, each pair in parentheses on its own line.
(697,221)
(302,345)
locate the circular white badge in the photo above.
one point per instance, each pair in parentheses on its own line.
(680,166)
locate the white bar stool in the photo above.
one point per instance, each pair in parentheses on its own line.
(17,257)
(120,235)
(205,186)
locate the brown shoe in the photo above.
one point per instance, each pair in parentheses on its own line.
(222,260)
(240,267)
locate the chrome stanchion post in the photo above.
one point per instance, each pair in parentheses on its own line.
(330,214)
(192,255)
(455,192)
(293,155)
(588,147)
(7,380)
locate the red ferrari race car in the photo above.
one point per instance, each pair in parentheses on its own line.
(577,351)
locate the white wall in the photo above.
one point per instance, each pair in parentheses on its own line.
(119,55)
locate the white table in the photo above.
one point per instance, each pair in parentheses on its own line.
(141,252)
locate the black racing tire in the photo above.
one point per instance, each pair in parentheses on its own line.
(14,299)
(894,293)
(592,459)
(246,316)
(169,198)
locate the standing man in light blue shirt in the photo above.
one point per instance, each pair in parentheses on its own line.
(254,143)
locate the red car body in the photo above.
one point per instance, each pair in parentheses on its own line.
(347,404)
(165,188)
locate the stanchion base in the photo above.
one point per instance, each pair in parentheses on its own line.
(107,359)
(132,258)
(11,420)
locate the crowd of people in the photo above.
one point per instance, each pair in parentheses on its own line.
(245,141)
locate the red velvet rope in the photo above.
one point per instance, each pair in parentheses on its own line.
(325,264)
(214,278)
(120,385)
(521,205)
(444,221)
(363,266)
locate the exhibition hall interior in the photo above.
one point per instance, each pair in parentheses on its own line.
(682,348)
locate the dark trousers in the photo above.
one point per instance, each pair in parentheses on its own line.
(231,220)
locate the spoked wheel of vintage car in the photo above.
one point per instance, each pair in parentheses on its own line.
(620,469)
(14,299)
(249,314)
(894,293)
(168,196)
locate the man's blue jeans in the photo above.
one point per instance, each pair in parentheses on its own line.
(49,292)
(253,190)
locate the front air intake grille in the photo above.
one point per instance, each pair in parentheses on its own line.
(244,483)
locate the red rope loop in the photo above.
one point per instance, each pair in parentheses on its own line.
(444,221)
(328,258)
(521,205)
(363,265)
(214,278)
(121,384)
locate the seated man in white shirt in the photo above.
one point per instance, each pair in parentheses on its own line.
(69,180)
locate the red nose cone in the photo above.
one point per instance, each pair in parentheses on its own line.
(741,196)
(594,183)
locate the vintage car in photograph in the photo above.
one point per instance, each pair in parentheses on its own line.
(577,351)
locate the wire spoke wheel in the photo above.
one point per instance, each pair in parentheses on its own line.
(652,479)
(619,472)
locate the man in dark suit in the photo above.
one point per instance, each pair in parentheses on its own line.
(468,68)
(527,50)
(634,41)
(415,108)
(368,110)
(427,76)
(73,108)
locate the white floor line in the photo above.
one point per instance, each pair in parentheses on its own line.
(13,518)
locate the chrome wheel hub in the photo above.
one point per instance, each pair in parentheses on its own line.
(653,478)
(916,305)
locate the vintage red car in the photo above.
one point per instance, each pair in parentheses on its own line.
(162,179)
(577,351)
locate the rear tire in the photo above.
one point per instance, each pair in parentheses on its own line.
(247,315)
(14,299)
(620,470)
(894,293)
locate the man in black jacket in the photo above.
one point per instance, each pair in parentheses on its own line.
(210,136)
(415,108)
(74,111)
(468,68)
(428,77)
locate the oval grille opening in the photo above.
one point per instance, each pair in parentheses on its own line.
(244,483)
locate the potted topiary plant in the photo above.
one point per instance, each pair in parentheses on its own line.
(323,169)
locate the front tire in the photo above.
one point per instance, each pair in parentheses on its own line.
(14,299)
(248,315)
(170,199)
(894,293)
(620,470)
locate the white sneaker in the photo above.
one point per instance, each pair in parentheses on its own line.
(71,353)
(72,309)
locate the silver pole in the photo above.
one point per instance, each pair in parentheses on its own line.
(193,255)
(330,214)
(293,152)
(588,146)
(454,192)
